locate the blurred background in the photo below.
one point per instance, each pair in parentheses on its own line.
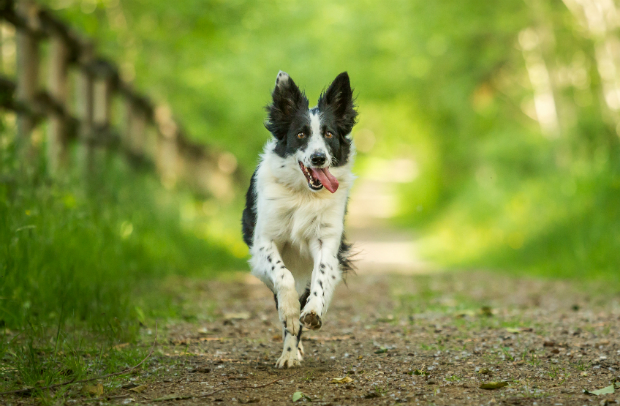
(488,138)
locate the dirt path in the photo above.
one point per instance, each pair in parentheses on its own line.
(421,339)
(396,333)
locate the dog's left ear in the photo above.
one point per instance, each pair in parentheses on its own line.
(339,99)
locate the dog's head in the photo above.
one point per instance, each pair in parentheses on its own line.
(314,139)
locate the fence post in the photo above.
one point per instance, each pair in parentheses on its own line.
(104,84)
(103,96)
(134,128)
(167,147)
(57,130)
(85,107)
(27,72)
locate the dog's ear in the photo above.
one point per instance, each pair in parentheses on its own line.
(287,100)
(339,99)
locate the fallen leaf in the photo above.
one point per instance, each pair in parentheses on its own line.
(485,371)
(346,379)
(605,391)
(139,389)
(93,390)
(493,385)
(513,330)
(381,350)
(297,396)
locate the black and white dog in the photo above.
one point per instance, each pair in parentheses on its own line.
(293,220)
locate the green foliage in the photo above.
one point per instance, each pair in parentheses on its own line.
(451,86)
(78,256)
(66,252)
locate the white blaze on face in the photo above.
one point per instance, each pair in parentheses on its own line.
(316,143)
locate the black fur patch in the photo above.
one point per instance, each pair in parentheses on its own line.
(337,107)
(303,299)
(248,220)
(287,116)
(345,256)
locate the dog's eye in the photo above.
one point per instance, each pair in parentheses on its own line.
(301,135)
(329,134)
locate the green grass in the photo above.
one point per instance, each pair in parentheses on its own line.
(84,263)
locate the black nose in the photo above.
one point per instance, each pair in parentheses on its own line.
(318,158)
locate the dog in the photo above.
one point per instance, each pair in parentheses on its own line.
(293,221)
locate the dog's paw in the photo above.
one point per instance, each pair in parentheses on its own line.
(288,311)
(289,359)
(311,320)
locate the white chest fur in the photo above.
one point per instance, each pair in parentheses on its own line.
(291,215)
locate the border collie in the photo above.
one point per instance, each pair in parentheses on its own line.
(293,221)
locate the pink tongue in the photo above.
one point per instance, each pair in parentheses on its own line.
(327,179)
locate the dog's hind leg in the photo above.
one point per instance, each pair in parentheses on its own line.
(325,276)
(268,266)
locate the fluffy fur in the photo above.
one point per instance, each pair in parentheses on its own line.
(293,221)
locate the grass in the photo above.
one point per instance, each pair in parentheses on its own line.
(84,263)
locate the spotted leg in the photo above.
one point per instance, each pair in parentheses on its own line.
(268,266)
(292,345)
(325,276)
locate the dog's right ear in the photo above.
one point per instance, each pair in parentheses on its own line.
(287,100)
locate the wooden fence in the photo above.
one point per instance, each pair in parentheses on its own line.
(146,133)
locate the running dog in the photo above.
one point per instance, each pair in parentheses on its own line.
(293,221)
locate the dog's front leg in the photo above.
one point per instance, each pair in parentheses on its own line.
(325,276)
(268,266)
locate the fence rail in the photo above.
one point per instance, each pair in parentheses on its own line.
(148,134)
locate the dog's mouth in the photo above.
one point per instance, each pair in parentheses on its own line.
(319,177)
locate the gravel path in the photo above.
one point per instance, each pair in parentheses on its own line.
(424,339)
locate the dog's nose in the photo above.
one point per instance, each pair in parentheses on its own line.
(318,158)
